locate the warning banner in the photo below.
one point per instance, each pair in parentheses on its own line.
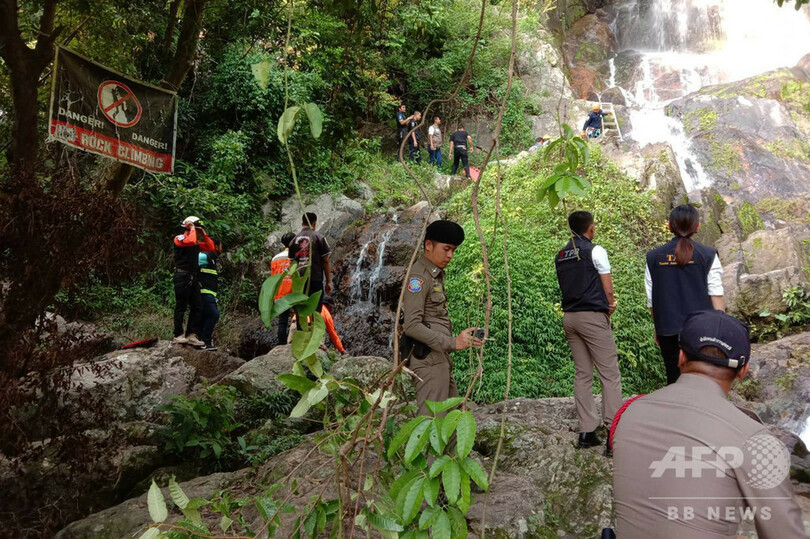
(102,112)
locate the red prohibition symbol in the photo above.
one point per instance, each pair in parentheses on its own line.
(118,103)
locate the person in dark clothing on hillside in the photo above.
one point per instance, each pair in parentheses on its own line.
(402,123)
(682,277)
(209,287)
(460,144)
(311,251)
(187,247)
(413,140)
(594,121)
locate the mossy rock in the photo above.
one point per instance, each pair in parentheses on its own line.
(749,219)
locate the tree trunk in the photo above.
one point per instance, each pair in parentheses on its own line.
(181,65)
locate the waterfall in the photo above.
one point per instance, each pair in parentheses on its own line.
(688,44)
(359,275)
(612,79)
(356,294)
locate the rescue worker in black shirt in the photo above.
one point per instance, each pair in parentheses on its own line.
(460,143)
(413,140)
(583,271)
(402,123)
(682,277)
(209,287)
(187,247)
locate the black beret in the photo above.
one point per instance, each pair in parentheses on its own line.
(445,232)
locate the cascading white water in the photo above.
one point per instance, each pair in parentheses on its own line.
(688,44)
(356,294)
(359,275)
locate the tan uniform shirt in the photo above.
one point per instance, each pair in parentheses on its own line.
(426,301)
(689,465)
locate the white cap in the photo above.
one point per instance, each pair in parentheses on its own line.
(190,220)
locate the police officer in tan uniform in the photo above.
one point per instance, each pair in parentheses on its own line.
(426,324)
(688,464)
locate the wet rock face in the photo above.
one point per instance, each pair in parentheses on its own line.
(751,135)
(590,44)
(371,262)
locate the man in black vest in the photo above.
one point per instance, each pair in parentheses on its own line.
(583,271)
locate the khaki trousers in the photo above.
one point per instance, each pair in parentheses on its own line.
(591,340)
(436,372)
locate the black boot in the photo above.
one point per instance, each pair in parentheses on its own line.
(608,449)
(588,439)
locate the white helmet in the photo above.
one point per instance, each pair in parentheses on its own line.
(190,220)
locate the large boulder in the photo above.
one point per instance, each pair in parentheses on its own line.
(762,292)
(769,250)
(208,366)
(751,135)
(335,214)
(127,385)
(260,375)
(255,339)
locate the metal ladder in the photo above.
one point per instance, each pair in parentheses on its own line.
(610,123)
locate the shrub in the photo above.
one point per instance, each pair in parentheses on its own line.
(542,365)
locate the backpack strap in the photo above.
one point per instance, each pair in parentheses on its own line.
(618,416)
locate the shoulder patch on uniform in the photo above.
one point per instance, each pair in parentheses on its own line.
(415,284)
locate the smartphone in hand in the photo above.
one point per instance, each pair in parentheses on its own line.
(479,333)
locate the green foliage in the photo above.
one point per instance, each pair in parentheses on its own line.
(570,153)
(798,5)
(201,427)
(749,218)
(770,326)
(542,365)
(725,158)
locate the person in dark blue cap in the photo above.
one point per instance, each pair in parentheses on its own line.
(688,463)
(428,333)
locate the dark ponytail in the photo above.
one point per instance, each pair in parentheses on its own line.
(684,221)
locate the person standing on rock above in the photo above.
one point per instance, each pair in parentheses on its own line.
(326,312)
(278,265)
(209,287)
(425,319)
(460,143)
(187,247)
(402,124)
(682,276)
(688,463)
(413,139)
(594,122)
(435,142)
(583,272)
(311,251)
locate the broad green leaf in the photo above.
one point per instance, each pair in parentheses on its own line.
(413,501)
(310,305)
(266,295)
(225,523)
(417,442)
(313,363)
(286,123)
(317,394)
(311,524)
(451,480)
(465,434)
(449,424)
(404,433)
(441,528)
(436,441)
(476,472)
(300,384)
(431,489)
(383,522)
(458,524)
(402,498)
(464,498)
(285,303)
(386,399)
(553,199)
(401,481)
(315,119)
(261,72)
(302,407)
(439,407)
(321,520)
(157,505)
(178,496)
(306,343)
(438,464)
(150,533)
(196,503)
(217,449)
(193,516)
(428,517)
(568,132)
